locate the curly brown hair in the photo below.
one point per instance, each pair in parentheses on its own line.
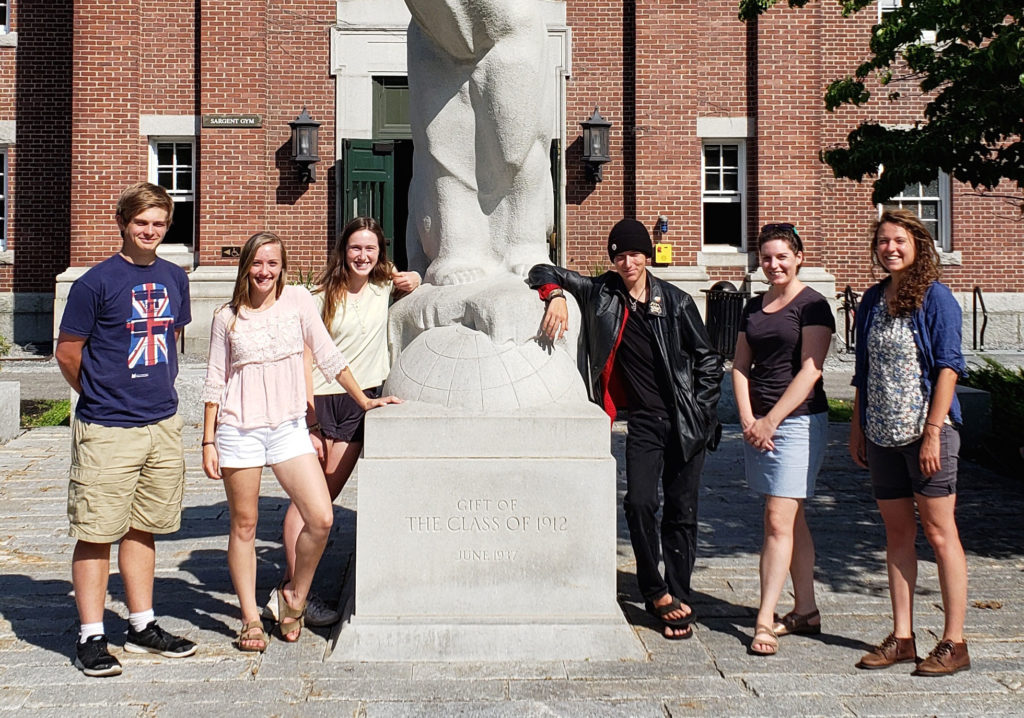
(334,280)
(919,275)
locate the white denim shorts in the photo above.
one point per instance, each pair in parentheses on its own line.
(244,448)
(791,469)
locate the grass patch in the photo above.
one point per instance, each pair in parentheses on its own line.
(45,412)
(1000,450)
(840,410)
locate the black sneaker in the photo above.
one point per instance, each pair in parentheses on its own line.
(153,639)
(93,658)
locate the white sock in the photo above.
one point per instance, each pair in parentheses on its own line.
(88,630)
(140,620)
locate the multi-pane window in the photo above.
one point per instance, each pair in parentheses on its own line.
(5,15)
(722,193)
(885,7)
(930,202)
(3,199)
(172,166)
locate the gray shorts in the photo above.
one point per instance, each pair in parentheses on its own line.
(896,470)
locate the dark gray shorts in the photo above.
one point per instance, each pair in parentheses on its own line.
(341,419)
(896,470)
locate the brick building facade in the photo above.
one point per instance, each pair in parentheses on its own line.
(717,126)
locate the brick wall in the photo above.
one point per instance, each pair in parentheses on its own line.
(297,61)
(269,59)
(108,152)
(603,76)
(656,67)
(653,68)
(39,169)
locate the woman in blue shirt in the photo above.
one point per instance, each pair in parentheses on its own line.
(904,430)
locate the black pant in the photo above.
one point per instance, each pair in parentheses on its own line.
(653,453)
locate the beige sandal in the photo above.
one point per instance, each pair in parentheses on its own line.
(764,635)
(289,619)
(252,632)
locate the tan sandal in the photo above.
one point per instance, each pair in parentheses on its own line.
(764,635)
(289,619)
(252,632)
(798,624)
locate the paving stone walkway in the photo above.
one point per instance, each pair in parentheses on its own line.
(710,675)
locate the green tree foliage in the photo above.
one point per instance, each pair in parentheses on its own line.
(973,75)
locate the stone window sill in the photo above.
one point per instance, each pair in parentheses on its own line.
(722,256)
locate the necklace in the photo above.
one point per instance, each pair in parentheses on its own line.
(634,302)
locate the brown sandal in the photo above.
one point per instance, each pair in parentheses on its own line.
(289,619)
(796,624)
(252,632)
(766,636)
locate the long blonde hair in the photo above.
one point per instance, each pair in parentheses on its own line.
(240,296)
(335,279)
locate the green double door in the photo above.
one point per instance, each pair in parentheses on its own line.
(376,181)
(376,184)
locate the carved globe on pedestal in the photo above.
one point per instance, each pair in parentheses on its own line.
(459,367)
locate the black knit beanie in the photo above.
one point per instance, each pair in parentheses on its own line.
(628,235)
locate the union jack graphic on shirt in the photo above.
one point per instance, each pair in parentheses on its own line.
(150,323)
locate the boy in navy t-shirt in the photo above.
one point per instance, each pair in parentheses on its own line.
(117,349)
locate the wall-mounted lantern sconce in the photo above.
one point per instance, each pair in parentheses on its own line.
(305,138)
(595,144)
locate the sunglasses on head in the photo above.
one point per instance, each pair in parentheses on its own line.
(783,227)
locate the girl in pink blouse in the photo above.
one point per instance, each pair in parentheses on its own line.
(256,413)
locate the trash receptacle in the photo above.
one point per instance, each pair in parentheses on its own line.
(724,309)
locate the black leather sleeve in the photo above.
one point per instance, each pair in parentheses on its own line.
(573,282)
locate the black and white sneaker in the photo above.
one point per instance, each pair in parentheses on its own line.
(93,658)
(153,639)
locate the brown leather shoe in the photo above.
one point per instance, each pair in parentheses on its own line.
(945,659)
(889,652)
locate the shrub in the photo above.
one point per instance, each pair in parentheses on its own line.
(5,346)
(35,414)
(305,277)
(1001,449)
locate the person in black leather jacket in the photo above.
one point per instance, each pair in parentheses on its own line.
(644,347)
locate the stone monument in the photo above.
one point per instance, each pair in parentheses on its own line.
(486,504)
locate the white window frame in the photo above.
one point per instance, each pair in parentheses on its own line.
(154,167)
(887,6)
(943,213)
(724,196)
(5,16)
(5,199)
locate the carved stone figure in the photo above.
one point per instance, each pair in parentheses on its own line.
(480,211)
(480,203)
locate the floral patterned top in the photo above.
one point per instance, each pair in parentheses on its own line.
(256,372)
(897,406)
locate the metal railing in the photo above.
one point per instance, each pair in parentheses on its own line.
(849,306)
(979,299)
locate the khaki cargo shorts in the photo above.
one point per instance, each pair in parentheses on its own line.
(125,477)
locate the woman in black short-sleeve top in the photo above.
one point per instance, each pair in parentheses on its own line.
(784,337)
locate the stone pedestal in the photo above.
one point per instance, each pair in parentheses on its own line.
(10,410)
(485,537)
